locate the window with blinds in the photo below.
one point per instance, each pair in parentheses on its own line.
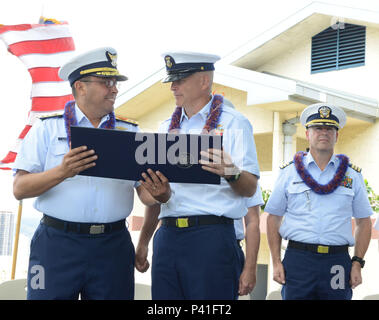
(338,47)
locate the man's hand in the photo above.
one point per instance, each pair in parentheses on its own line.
(141,262)
(219,162)
(157,185)
(279,275)
(355,275)
(77,160)
(247,282)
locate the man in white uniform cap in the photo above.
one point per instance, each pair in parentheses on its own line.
(195,251)
(319,193)
(81,244)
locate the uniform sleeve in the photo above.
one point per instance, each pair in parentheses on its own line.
(32,154)
(239,143)
(256,199)
(277,203)
(361,204)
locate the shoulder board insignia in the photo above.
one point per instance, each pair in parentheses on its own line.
(121,128)
(354,167)
(51,116)
(126,120)
(286,165)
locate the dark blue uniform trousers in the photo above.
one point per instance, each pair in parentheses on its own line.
(196,263)
(316,276)
(63,265)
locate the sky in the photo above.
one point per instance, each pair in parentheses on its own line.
(140,31)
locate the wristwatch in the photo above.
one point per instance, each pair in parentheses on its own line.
(360,260)
(235,176)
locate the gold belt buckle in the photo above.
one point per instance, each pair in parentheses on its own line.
(322,249)
(182,222)
(96,229)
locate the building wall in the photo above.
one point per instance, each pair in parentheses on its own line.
(263,143)
(150,121)
(361,145)
(301,144)
(296,64)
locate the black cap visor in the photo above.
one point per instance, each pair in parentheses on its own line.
(177,76)
(321,124)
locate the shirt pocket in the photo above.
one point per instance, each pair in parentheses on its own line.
(299,198)
(343,197)
(55,154)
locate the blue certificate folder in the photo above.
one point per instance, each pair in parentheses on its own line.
(125,155)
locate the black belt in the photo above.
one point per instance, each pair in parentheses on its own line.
(318,248)
(83,228)
(185,222)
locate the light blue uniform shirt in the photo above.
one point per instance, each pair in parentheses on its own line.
(190,199)
(313,218)
(80,198)
(255,200)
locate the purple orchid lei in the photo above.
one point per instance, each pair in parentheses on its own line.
(312,183)
(212,119)
(70,119)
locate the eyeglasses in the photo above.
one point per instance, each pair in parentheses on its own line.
(109,83)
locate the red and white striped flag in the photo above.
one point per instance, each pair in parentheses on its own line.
(43,48)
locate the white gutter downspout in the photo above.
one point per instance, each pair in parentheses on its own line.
(289,129)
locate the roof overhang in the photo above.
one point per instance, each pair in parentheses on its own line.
(261,88)
(265,88)
(236,70)
(136,100)
(356,107)
(296,29)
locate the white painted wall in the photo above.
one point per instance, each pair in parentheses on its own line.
(359,80)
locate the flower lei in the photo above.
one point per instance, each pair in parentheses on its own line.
(312,183)
(212,119)
(69,117)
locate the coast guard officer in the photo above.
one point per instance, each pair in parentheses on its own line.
(195,251)
(318,193)
(81,245)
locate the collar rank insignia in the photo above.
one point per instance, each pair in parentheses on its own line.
(324,112)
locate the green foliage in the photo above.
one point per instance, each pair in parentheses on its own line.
(265,195)
(373,197)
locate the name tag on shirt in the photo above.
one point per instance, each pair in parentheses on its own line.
(125,155)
